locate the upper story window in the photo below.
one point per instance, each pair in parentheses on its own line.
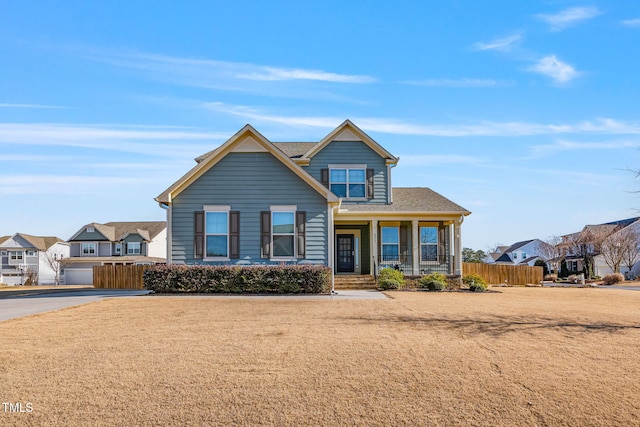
(350,183)
(133,248)
(31,253)
(524,255)
(89,249)
(90,229)
(428,243)
(515,255)
(117,249)
(16,256)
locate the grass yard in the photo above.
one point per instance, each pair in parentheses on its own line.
(516,357)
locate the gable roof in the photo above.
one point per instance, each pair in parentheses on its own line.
(349,131)
(410,200)
(518,245)
(246,139)
(41,243)
(115,231)
(504,258)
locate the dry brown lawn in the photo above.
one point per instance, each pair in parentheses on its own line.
(516,357)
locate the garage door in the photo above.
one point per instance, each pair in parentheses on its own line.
(78,276)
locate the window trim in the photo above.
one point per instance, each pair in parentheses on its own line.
(139,248)
(219,209)
(117,249)
(428,244)
(382,244)
(347,168)
(16,259)
(292,209)
(95,245)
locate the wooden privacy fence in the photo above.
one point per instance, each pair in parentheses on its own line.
(512,275)
(119,276)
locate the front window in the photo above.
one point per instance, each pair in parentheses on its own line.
(16,256)
(89,249)
(217,231)
(428,243)
(133,248)
(283,234)
(348,183)
(390,243)
(31,253)
(118,248)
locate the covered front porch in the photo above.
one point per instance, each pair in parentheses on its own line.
(415,246)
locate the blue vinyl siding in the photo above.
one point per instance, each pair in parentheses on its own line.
(357,153)
(248,183)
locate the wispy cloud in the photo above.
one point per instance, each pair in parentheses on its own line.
(438,159)
(64,184)
(221,75)
(6,105)
(502,44)
(150,140)
(479,83)
(569,17)
(567,145)
(632,22)
(400,127)
(550,66)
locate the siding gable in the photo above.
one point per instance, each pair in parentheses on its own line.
(357,153)
(248,182)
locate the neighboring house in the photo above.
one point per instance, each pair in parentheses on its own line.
(22,253)
(127,243)
(526,252)
(590,238)
(253,201)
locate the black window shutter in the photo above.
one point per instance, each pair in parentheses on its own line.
(198,234)
(324,177)
(234,234)
(301,226)
(370,184)
(265,233)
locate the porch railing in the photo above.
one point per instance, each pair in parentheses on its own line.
(440,264)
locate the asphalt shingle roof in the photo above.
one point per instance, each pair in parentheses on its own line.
(417,199)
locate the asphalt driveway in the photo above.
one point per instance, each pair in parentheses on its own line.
(28,303)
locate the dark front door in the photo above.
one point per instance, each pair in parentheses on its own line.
(346,253)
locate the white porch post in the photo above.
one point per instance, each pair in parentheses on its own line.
(457,245)
(374,246)
(415,243)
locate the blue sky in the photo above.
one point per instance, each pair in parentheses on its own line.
(525,113)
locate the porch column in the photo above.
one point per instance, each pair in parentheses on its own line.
(457,247)
(415,243)
(374,247)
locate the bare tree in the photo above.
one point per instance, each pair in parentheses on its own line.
(553,252)
(56,262)
(631,247)
(586,244)
(612,250)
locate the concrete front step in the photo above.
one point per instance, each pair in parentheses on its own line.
(354,282)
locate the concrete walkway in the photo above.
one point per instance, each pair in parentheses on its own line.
(351,294)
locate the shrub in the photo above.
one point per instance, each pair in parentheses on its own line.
(573,278)
(386,284)
(390,275)
(233,279)
(475,282)
(612,279)
(550,278)
(433,282)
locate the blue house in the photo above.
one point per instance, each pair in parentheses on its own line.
(253,201)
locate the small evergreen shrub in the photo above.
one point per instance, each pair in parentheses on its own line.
(475,282)
(433,282)
(390,277)
(386,284)
(612,279)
